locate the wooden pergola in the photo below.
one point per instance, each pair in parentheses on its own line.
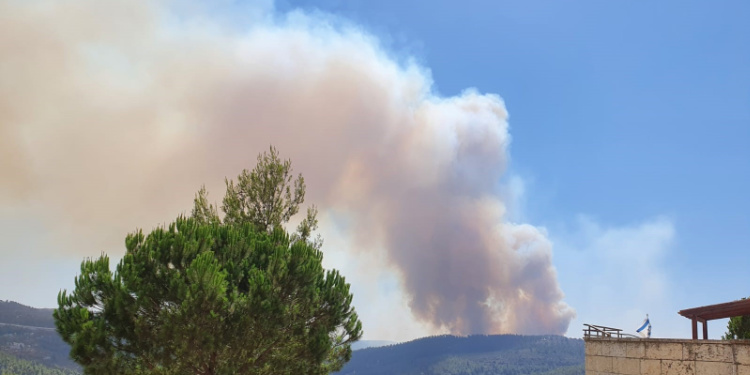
(719,311)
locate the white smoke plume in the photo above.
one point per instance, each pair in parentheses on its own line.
(113,113)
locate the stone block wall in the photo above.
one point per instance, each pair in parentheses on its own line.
(606,356)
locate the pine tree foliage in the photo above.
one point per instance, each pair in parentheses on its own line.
(209,298)
(267,196)
(212,296)
(203,211)
(738,328)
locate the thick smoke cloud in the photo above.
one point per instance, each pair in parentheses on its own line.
(113,113)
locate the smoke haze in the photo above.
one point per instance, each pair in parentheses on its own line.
(114,113)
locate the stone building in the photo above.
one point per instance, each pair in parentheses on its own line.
(609,352)
(628,356)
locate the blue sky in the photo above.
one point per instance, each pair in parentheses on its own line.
(629,124)
(621,111)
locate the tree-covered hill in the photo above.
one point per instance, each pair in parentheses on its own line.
(16,313)
(10,365)
(473,355)
(363,344)
(29,333)
(28,343)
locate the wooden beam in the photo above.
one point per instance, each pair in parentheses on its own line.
(719,311)
(705,330)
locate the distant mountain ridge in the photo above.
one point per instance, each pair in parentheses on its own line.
(472,355)
(364,344)
(29,333)
(16,313)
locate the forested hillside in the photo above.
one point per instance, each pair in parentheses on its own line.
(28,333)
(473,355)
(362,344)
(16,313)
(10,365)
(28,343)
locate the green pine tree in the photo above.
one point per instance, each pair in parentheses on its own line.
(738,328)
(203,296)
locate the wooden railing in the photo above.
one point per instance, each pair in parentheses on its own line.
(601,331)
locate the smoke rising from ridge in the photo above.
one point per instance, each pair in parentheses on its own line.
(113,113)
